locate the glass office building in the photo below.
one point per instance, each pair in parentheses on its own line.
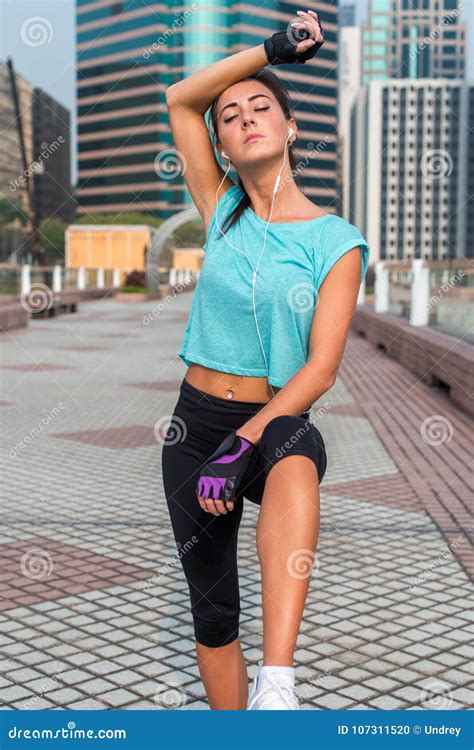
(130,51)
(413,39)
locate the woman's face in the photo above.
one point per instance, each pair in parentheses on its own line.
(247,108)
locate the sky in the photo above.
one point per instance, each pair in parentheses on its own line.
(51,65)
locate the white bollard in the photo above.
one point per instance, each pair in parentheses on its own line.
(116,278)
(420,293)
(81,277)
(381,302)
(173,277)
(25,279)
(57,279)
(100,279)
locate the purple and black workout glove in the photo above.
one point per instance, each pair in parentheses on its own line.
(222,473)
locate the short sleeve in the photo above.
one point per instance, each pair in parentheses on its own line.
(225,204)
(338,237)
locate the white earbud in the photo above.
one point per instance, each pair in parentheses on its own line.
(290,132)
(225,155)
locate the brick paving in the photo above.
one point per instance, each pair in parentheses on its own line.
(94,605)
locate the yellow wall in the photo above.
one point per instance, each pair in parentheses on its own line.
(105,248)
(188,260)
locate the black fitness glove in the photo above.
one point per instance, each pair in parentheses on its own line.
(223,470)
(280,47)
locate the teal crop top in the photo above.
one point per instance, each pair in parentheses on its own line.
(221,332)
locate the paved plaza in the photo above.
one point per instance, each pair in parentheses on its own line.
(93,602)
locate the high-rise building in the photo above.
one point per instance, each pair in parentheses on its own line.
(350,80)
(414,39)
(410,173)
(468,183)
(347,14)
(52,149)
(16,137)
(128,53)
(35,162)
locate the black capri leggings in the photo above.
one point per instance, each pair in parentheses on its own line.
(206,543)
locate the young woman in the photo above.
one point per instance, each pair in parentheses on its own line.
(264,340)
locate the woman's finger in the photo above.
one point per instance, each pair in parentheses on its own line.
(220,506)
(211,507)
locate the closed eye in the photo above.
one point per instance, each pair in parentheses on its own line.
(257,109)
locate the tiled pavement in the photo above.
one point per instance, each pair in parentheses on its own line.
(94,608)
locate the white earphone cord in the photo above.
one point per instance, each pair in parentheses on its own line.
(254,274)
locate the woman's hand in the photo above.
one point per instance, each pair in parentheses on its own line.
(222,473)
(311,23)
(285,47)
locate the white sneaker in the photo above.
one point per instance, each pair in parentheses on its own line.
(277,692)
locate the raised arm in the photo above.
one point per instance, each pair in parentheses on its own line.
(187,102)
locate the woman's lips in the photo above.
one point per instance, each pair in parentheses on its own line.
(252,138)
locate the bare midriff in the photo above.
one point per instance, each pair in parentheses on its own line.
(220,384)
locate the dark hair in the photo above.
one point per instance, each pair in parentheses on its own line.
(272,82)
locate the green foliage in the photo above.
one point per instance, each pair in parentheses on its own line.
(191,234)
(52,238)
(11,210)
(133,289)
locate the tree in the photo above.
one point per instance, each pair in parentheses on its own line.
(52,238)
(11,210)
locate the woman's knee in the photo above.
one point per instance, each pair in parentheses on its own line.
(217,632)
(288,435)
